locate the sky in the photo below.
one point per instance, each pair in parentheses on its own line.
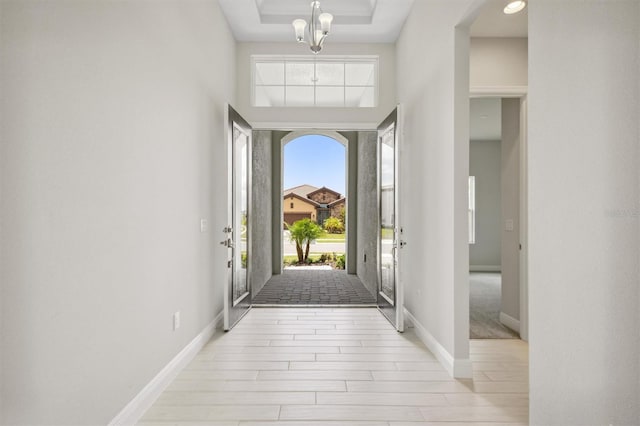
(315,160)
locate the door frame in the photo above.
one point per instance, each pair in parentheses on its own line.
(519,92)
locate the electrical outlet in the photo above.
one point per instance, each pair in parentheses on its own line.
(204,225)
(176,321)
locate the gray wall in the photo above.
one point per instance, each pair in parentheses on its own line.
(484,164)
(352,201)
(367,211)
(510,164)
(112,151)
(583,212)
(261,198)
(276,194)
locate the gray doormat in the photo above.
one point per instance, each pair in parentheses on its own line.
(314,287)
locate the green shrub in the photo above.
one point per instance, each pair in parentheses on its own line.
(341,261)
(333,225)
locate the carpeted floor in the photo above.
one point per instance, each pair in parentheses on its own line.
(314,287)
(484,307)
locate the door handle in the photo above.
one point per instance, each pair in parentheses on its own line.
(227,243)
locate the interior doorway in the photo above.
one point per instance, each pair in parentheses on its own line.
(495,199)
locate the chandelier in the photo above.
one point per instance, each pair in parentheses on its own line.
(319,27)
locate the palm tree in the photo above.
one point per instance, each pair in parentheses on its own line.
(303,231)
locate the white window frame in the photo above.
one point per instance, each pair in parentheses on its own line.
(472,210)
(374,59)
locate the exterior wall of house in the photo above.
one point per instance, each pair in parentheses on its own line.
(299,207)
(261,212)
(367,213)
(336,209)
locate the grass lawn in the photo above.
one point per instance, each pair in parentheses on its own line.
(386,233)
(330,238)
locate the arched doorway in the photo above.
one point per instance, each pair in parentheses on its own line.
(314,190)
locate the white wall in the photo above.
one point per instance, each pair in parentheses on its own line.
(484,164)
(498,62)
(583,212)
(434,169)
(112,122)
(310,117)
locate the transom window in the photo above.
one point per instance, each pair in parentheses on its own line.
(328,81)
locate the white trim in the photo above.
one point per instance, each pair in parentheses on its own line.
(498,91)
(273,125)
(485,268)
(300,133)
(136,408)
(510,322)
(457,368)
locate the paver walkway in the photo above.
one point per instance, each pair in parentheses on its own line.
(314,287)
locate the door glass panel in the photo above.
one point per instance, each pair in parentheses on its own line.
(387,215)
(240,213)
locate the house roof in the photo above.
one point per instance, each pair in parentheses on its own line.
(336,202)
(324,189)
(301,190)
(294,195)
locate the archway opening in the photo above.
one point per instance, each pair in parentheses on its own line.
(314,202)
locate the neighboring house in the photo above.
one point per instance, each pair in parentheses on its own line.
(297,207)
(337,207)
(307,201)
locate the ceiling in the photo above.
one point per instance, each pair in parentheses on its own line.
(485,120)
(355,21)
(492,21)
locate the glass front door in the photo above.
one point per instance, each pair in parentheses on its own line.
(238,289)
(389,297)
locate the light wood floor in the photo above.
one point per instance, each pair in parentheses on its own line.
(340,367)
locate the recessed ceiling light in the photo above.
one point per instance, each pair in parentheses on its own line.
(515,7)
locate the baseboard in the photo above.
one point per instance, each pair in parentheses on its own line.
(457,368)
(135,409)
(485,268)
(510,322)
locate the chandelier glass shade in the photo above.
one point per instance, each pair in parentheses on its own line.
(319,27)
